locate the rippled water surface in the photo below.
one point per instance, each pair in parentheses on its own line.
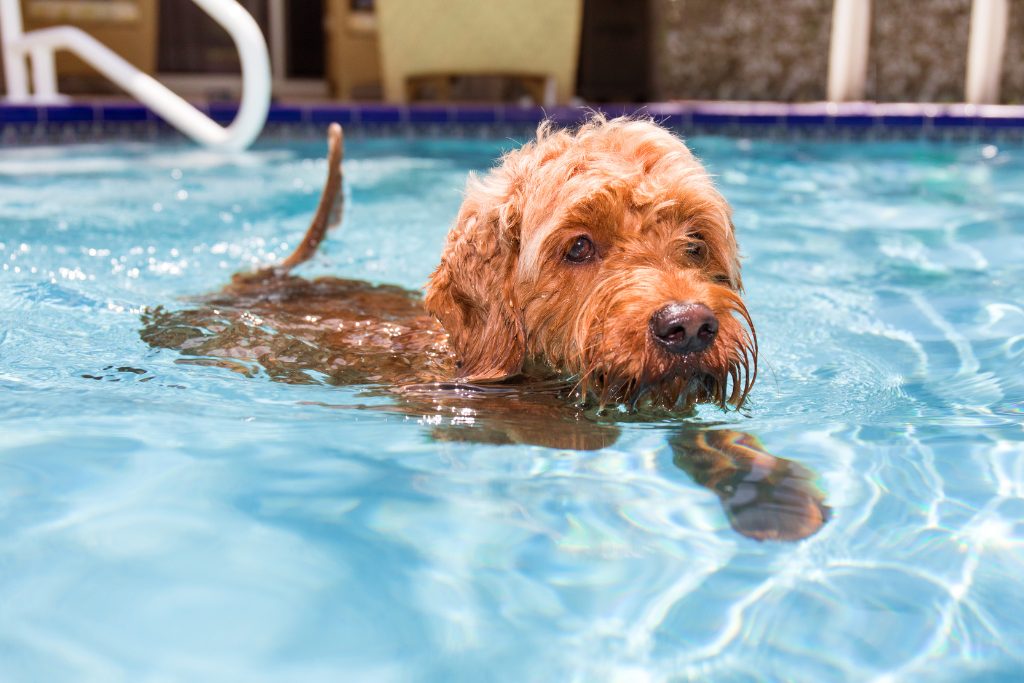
(164,521)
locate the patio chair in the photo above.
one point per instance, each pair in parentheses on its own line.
(534,40)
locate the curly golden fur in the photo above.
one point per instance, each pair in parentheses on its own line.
(510,300)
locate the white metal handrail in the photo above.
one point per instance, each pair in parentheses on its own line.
(848,50)
(40,46)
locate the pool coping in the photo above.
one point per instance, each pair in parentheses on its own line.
(84,119)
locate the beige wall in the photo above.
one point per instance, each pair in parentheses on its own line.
(133,38)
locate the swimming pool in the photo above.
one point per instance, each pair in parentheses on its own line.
(169,521)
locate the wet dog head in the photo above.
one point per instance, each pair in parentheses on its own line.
(605,254)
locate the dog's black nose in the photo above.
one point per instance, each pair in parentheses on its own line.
(684,327)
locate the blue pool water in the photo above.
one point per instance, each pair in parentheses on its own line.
(163,521)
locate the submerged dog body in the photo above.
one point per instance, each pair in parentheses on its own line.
(589,268)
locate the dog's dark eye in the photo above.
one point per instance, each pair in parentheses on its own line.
(695,247)
(581,250)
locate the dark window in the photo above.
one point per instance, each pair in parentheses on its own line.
(192,42)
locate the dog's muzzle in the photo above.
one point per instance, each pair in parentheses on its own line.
(684,327)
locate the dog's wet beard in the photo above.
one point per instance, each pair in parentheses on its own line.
(722,374)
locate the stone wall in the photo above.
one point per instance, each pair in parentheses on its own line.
(740,49)
(918,50)
(778,50)
(1013,61)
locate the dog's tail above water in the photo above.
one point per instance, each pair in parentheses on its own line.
(328,212)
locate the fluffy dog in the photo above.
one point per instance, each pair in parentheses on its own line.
(592,268)
(606,255)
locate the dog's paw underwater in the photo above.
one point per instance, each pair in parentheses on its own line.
(598,266)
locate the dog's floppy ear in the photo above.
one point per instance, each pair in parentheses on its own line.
(472,292)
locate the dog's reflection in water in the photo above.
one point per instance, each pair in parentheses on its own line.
(552,318)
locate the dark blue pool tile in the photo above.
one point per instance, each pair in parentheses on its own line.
(710,118)
(522,114)
(854,121)
(569,116)
(805,120)
(429,115)
(70,114)
(615,110)
(475,115)
(223,112)
(1002,122)
(759,120)
(16,113)
(843,118)
(116,113)
(904,121)
(331,114)
(672,120)
(379,114)
(948,121)
(282,114)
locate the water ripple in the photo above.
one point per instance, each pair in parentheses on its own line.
(182,521)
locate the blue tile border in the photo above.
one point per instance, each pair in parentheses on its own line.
(673,120)
(566,116)
(854,121)
(114,113)
(331,114)
(746,118)
(222,113)
(797,121)
(380,113)
(998,122)
(703,118)
(428,115)
(70,114)
(903,121)
(13,113)
(287,114)
(946,121)
(511,114)
(483,114)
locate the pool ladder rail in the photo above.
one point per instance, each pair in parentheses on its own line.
(40,45)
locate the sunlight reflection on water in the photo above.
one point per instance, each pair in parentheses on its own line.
(167,520)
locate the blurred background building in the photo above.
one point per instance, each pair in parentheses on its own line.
(605,50)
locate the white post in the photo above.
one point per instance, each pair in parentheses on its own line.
(989,19)
(848,50)
(276,14)
(15,71)
(44,75)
